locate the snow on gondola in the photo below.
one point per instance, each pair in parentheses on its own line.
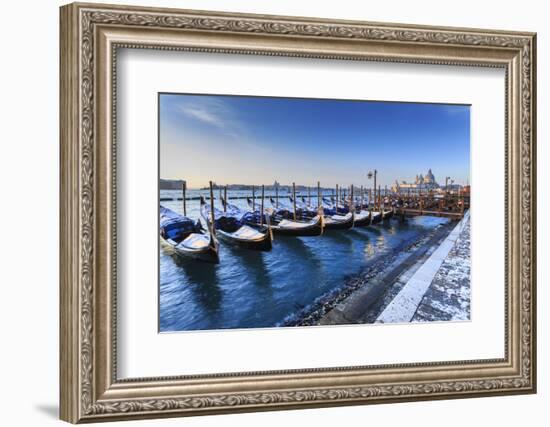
(234,230)
(187,238)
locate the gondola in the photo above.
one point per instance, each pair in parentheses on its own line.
(186,238)
(328,210)
(363,216)
(362,219)
(303,206)
(387,214)
(287,211)
(233,230)
(281,225)
(376,217)
(338,218)
(340,222)
(334,218)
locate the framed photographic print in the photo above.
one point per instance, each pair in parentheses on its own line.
(264,212)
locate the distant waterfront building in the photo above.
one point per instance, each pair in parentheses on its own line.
(421,183)
(171,184)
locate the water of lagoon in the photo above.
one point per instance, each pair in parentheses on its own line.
(249,289)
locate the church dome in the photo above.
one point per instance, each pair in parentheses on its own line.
(430,178)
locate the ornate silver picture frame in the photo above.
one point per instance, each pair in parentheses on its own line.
(91,35)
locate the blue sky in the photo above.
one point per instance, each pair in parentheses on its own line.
(256,140)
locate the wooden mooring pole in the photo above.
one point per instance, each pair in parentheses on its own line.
(370,198)
(318,196)
(262,207)
(184,190)
(212,209)
(294,198)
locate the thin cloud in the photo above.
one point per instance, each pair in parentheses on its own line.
(203,116)
(221,117)
(211,112)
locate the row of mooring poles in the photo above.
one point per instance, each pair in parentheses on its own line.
(342,196)
(339,194)
(375,197)
(261,203)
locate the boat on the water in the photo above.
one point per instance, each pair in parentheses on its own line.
(339,217)
(281,224)
(187,238)
(387,214)
(286,211)
(340,222)
(328,209)
(235,230)
(362,219)
(376,217)
(331,209)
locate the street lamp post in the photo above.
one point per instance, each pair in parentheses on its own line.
(369,176)
(447,178)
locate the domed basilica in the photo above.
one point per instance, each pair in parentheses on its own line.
(421,183)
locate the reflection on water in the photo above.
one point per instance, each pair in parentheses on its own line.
(259,289)
(298,248)
(256,270)
(342,237)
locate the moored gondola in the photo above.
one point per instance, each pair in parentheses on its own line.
(338,216)
(340,222)
(376,217)
(288,212)
(387,214)
(233,230)
(187,239)
(362,219)
(282,225)
(313,227)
